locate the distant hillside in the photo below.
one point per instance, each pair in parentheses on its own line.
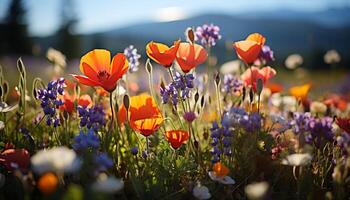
(284,34)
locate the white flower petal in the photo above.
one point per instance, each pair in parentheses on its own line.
(224,180)
(256,190)
(108,185)
(298,159)
(58,159)
(201,192)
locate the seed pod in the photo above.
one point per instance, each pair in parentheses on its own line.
(126,101)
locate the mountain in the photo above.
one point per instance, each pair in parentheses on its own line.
(285,34)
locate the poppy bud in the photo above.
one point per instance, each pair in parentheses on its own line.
(202,101)
(196,96)
(5,87)
(251,95)
(217,78)
(190,35)
(259,86)
(126,101)
(243,93)
(148,66)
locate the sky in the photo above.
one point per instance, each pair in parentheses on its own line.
(99,15)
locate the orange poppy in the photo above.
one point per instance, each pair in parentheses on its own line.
(300,92)
(85,100)
(336,101)
(274,87)
(220,169)
(161,53)
(144,115)
(251,75)
(48,183)
(249,49)
(98,69)
(68,102)
(176,137)
(189,56)
(102,92)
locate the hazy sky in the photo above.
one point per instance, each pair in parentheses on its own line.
(99,15)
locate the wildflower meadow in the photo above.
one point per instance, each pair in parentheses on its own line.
(180,129)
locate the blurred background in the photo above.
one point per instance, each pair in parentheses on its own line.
(309,28)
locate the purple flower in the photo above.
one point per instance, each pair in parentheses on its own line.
(84,141)
(232,84)
(179,88)
(134,151)
(320,128)
(133,58)
(92,117)
(266,55)
(189,116)
(251,122)
(208,34)
(49,101)
(300,122)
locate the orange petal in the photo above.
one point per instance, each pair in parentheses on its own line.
(97,59)
(256,37)
(85,80)
(247,50)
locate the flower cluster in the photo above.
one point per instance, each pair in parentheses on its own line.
(179,88)
(133,58)
(251,122)
(83,141)
(208,34)
(232,84)
(93,117)
(90,143)
(221,141)
(50,101)
(314,129)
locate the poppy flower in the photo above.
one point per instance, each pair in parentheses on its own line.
(85,100)
(251,76)
(161,53)
(300,92)
(336,101)
(144,115)
(176,137)
(13,159)
(189,56)
(219,174)
(68,102)
(274,87)
(249,49)
(98,69)
(48,183)
(344,123)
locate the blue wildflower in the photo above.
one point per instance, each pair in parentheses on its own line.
(84,141)
(208,34)
(50,102)
(92,117)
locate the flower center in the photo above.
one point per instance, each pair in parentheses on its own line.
(103,75)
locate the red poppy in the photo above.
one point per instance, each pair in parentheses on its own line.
(98,69)
(176,137)
(13,159)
